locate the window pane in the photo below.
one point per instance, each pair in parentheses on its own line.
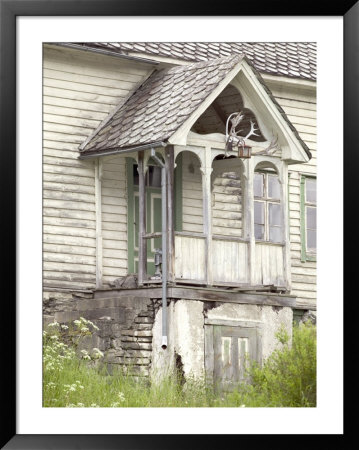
(259,213)
(273,187)
(275,234)
(311,217)
(259,231)
(154,175)
(274,214)
(311,239)
(311,190)
(135,175)
(258,185)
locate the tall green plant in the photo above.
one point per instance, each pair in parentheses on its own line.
(288,376)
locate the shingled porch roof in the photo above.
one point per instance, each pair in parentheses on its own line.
(161,106)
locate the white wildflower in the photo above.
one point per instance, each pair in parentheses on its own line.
(53,324)
(81,405)
(121,396)
(64,327)
(97,353)
(84,329)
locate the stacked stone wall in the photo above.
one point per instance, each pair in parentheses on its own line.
(125,326)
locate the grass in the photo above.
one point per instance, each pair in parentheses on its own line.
(73,378)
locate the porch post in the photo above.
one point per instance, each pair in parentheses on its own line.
(249,220)
(98,204)
(284,179)
(206,170)
(142,244)
(169,162)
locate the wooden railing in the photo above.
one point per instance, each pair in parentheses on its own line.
(230,260)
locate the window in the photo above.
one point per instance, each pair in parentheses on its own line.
(152,177)
(308,218)
(267,208)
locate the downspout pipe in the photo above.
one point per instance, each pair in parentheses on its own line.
(164,247)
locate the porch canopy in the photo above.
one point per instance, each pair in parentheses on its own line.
(167,113)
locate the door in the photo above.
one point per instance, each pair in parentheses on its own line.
(153,210)
(229,351)
(153,215)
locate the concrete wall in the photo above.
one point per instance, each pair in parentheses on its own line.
(186,339)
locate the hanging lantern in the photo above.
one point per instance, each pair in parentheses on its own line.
(244,151)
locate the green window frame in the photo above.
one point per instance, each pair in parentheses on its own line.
(130,162)
(305,205)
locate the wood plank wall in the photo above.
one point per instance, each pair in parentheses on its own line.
(300,106)
(192,198)
(114,218)
(227,204)
(80,90)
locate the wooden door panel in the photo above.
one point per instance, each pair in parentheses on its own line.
(229,350)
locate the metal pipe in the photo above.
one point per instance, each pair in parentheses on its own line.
(164,247)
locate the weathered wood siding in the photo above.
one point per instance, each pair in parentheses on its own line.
(300,106)
(114,219)
(190,258)
(80,89)
(269,267)
(192,197)
(227,205)
(230,262)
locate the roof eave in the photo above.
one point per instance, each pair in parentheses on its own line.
(122,150)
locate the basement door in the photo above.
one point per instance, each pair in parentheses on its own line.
(229,348)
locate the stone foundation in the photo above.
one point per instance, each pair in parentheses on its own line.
(125,326)
(130,328)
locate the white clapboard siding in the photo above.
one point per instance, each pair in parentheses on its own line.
(80,90)
(114,218)
(192,196)
(301,110)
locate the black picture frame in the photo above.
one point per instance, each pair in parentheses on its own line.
(10,9)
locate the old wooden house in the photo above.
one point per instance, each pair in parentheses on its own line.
(179,198)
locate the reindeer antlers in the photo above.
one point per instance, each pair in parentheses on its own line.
(252,131)
(236,120)
(271,149)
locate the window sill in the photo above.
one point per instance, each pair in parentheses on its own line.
(311,257)
(260,241)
